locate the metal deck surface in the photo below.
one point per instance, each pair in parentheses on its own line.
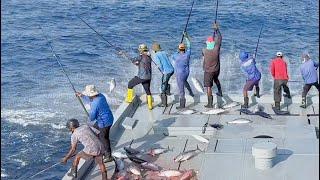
(227,156)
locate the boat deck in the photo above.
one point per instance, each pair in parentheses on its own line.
(228,153)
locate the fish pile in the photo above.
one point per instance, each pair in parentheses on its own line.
(140,168)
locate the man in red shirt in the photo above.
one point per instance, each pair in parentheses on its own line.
(278,69)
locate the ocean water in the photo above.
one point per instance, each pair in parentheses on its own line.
(36,99)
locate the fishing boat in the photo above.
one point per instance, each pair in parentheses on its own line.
(228,152)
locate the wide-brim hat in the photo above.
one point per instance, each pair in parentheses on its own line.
(143,47)
(90,90)
(156,47)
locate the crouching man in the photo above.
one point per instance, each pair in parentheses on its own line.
(93,148)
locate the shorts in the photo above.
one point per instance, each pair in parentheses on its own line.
(98,159)
(249,85)
(209,77)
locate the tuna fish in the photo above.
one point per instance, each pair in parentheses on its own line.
(157,151)
(188,111)
(200,138)
(119,155)
(150,166)
(136,159)
(231,105)
(170,173)
(214,111)
(197,84)
(263,114)
(112,85)
(131,151)
(134,170)
(239,121)
(187,155)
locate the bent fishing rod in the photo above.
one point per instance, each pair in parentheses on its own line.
(255,53)
(119,50)
(57,59)
(215,19)
(185,28)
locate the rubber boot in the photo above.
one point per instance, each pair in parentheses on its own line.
(168,90)
(163,100)
(107,157)
(277,106)
(182,103)
(245,102)
(257,92)
(287,95)
(304,103)
(104,175)
(130,95)
(149,101)
(219,93)
(74,172)
(210,101)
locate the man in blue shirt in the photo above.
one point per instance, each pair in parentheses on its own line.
(309,74)
(101,114)
(161,59)
(181,61)
(253,75)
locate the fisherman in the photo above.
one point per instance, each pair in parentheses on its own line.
(161,59)
(249,68)
(101,114)
(181,61)
(93,148)
(279,72)
(211,64)
(143,61)
(309,74)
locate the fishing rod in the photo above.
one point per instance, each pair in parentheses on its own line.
(255,53)
(120,51)
(47,168)
(57,58)
(185,28)
(215,19)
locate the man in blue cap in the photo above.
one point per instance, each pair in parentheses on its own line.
(309,74)
(253,75)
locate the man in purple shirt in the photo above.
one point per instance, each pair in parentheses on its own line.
(309,74)
(93,148)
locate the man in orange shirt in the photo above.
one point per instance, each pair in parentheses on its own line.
(279,72)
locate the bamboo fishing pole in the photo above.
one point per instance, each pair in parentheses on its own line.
(185,28)
(63,70)
(119,50)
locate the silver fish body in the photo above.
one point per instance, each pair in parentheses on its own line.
(150,166)
(197,84)
(119,155)
(170,173)
(186,155)
(240,121)
(200,138)
(188,111)
(157,151)
(214,111)
(112,85)
(134,170)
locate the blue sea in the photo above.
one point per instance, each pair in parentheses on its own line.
(36,98)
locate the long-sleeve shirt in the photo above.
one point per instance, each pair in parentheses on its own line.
(182,60)
(163,62)
(278,69)
(99,111)
(249,68)
(309,71)
(211,61)
(143,62)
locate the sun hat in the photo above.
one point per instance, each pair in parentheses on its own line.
(90,91)
(279,54)
(182,46)
(143,47)
(156,47)
(243,55)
